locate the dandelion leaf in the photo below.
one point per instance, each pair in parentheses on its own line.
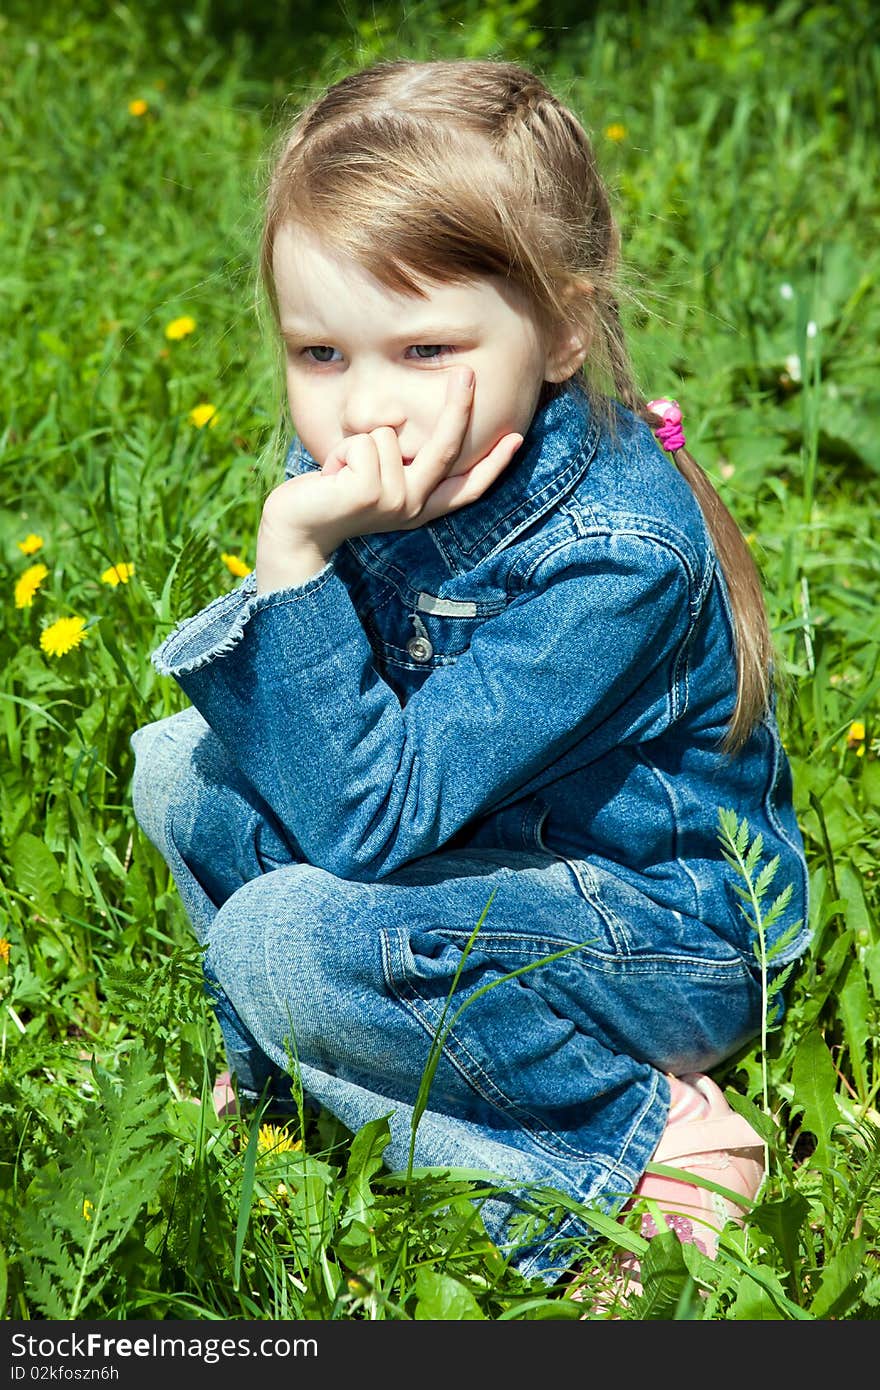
(440,1298)
(36,871)
(855,1012)
(841,1282)
(755,1302)
(871,962)
(782,1221)
(856,910)
(762,1124)
(365,1160)
(814,1079)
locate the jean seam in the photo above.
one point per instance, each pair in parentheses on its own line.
(492,1091)
(616,928)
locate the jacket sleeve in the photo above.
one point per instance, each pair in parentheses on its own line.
(586,654)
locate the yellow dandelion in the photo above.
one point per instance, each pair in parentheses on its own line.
(615,132)
(88,1208)
(62,636)
(855,739)
(27,585)
(275,1139)
(4,949)
(204,414)
(117,574)
(180,328)
(138,107)
(31,544)
(236,565)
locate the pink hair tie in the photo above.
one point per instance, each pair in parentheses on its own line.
(670,434)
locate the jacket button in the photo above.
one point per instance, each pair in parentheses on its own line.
(420,649)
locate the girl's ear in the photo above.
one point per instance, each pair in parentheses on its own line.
(570,342)
(567,354)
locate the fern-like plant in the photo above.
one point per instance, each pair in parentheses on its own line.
(745,857)
(80,1207)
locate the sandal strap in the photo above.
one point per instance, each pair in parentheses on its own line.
(707,1136)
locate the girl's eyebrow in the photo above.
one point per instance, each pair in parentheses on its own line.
(429,333)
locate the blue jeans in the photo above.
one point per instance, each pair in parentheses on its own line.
(555,1077)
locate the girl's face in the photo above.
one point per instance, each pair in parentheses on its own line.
(360,355)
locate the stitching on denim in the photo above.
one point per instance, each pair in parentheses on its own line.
(666,788)
(590,889)
(532,507)
(508,1105)
(530,944)
(552,491)
(678,705)
(606,533)
(406,663)
(525,558)
(579,511)
(387,571)
(490,1091)
(396,580)
(619,523)
(682,650)
(518,941)
(452,1044)
(638,1121)
(444,555)
(163,658)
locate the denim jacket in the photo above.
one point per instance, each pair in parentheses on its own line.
(549,668)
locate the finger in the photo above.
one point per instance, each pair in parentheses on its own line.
(391,469)
(452,493)
(442,449)
(361,466)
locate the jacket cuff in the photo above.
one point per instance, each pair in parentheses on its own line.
(218,629)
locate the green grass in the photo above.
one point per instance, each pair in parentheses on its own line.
(746,184)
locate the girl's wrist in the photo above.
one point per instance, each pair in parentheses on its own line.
(282,563)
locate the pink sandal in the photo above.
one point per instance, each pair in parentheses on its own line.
(705,1137)
(719,1146)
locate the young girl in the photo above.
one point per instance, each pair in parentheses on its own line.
(501,657)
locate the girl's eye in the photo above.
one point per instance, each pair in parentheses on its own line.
(427,351)
(329,350)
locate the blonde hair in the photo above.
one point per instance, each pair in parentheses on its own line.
(449,171)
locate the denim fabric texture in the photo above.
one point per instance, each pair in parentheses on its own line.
(517,711)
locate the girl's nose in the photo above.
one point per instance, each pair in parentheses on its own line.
(371,400)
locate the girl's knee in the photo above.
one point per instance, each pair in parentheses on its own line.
(162,772)
(280,951)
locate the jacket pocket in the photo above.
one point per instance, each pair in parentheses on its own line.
(424,631)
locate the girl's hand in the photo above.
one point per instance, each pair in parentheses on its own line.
(364,486)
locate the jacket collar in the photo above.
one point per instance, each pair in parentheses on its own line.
(554,456)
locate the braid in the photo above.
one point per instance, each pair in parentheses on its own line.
(752,639)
